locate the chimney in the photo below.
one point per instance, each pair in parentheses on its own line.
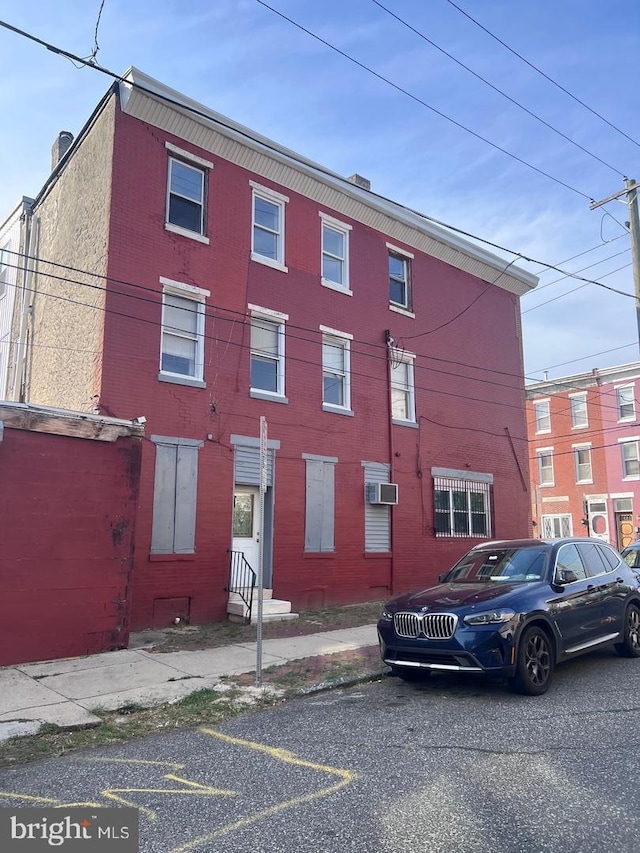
(359,181)
(60,147)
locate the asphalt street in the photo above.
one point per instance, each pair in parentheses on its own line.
(453,764)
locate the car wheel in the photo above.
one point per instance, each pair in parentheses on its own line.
(534,663)
(407,674)
(630,645)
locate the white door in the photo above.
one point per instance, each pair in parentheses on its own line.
(246,520)
(598,519)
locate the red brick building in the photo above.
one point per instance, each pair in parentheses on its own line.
(67,527)
(194,272)
(585,459)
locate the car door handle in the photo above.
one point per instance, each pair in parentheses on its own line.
(590,588)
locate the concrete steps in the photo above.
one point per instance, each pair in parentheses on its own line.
(273,609)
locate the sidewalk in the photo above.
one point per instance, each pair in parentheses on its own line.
(64,692)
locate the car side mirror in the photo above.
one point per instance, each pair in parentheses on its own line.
(566,576)
(442,576)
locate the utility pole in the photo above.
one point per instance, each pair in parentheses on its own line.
(631,191)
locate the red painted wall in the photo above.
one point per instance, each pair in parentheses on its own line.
(67,521)
(468,386)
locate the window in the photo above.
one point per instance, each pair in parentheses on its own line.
(335,254)
(461,507)
(582,456)
(267,236)
(403,407)
(568,560)
(182,346)
(377,517)
(4,269)
(174,495)
(542,414)
(267,353)
(630,459)
(579,411)
(626,403)
(545,467)
(556,526)
(320,503)
(336,380)
(185,203)
(399,280)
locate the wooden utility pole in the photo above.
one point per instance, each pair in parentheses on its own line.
(631,191)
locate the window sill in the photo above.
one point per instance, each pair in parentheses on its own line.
(184,232)
(377,555)
(337,410)
(181,380)
(411,424)
(269,262)
(332,285)
(318,555)
(399,309)
(266,395)
(580,426)
(172,558)
(546,485)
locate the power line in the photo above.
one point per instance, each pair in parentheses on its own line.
(418,100)
(496,89)
(575,289)
(582,269)
(541,72)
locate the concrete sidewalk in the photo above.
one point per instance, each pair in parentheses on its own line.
(64,692)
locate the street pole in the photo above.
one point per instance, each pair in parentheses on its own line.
(631,188)
(264,457)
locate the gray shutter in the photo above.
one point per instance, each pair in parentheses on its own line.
(247,466)
(377,519)
(320,506)
(164,492)
(186,491)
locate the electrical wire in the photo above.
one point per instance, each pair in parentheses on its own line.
(575,289)
(582,269)
(542,73)
(496,89)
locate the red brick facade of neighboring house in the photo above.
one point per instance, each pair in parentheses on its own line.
(458,453)
(584,455)
(67,529)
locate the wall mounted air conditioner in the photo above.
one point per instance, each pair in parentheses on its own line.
(382,493)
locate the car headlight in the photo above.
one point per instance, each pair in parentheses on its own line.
(489,617)
(385,615)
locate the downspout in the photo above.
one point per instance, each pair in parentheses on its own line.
(389,343)
(19,368)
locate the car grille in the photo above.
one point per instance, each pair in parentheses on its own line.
(433,626)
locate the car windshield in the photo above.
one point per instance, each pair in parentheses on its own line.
(512,565)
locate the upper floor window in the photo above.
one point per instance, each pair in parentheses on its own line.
(267,232)
(582,456)
(403,405)
(182,346)
(542,414)
(579,410)
(545,467)
(630,459)
(400,280)
(335,253)
(4,269)
(186,193)
(267,353)
(626,403)
(336,370)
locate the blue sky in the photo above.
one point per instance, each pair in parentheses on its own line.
(245,61)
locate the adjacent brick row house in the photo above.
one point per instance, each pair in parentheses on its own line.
(585,455)
(185,269)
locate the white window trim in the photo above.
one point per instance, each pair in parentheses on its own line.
(632,439)
(344,229)
(586,446)
(546,451)
(399,310)
(344,338)
(199,236)
(535,419)
(260,191)
(407,257)
(279,319)
(583,397)
(626,418)
(396,250)
(197,295)
(407,358)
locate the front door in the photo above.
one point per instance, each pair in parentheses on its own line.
(246,522)
(624,529)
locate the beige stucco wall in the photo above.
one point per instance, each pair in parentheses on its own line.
(64,353)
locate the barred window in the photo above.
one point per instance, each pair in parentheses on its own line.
(461,508)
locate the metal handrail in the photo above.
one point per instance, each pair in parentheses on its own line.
(242,580)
